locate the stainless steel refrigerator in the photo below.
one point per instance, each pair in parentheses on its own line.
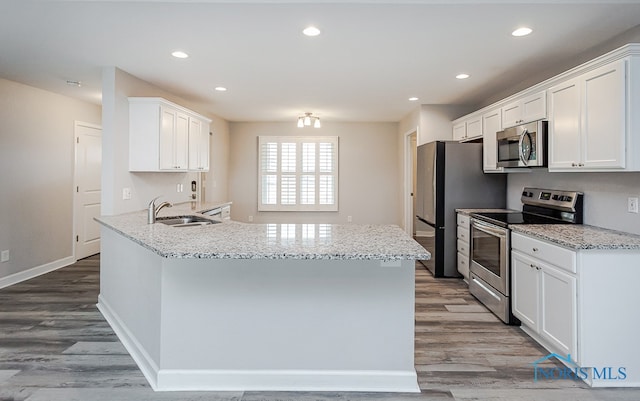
(449,176)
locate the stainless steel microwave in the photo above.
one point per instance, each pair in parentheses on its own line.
(523,145)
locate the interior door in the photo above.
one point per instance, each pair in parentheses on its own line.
(88,168)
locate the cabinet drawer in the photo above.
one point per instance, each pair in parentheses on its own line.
(556,255)
(463,220)
(463,233)
(226,212)
(463,247)
(463,265)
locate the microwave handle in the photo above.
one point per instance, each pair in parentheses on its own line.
(523,159)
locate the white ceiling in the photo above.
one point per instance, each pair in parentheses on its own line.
(370,58)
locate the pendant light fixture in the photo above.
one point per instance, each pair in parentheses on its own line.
(307,120)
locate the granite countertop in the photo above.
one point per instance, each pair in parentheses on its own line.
(235,240)
(579,236)
(467,212)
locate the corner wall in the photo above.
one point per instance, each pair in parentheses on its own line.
(37,158)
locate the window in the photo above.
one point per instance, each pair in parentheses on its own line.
(297,173)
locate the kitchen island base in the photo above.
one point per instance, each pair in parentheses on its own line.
(261,324)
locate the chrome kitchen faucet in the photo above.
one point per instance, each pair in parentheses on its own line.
(153,209)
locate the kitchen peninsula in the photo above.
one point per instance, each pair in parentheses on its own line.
(234,306)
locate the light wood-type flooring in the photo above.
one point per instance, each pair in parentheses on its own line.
(55,346)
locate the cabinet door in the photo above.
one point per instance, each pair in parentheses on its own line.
(604,130)
(534,107)
(168,119)
(474,127)
(558,321)
(491,124)
(463,265)
(181,142)
(511,114)
(525,285)
(564,125)
(459,131)
(204,147)
(195,144)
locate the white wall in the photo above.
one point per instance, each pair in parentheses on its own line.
(117,87)
(605,195)
(36,175)
(216,180)
(368,172)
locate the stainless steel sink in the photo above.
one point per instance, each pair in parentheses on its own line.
(186,221)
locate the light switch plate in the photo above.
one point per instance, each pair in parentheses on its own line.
(126,193)
(632,205)
(4,257)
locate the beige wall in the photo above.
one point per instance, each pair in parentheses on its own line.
(368,172)
(118,85)
(36,174)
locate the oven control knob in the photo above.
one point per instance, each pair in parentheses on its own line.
(556,197)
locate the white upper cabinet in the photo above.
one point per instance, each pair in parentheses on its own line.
(468,128)
(159,136)
(174,131)
(459,131)
(198,145)
(529,108)
(491,124)
(587,121)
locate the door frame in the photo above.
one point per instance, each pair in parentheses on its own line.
(77,124)
(408,180)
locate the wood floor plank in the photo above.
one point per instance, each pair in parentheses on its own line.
(55,345)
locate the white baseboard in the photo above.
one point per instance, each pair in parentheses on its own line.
(287,380)
(146,364)
(36,271)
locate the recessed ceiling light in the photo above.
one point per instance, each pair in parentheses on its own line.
(221,89)
(413,99)
(179,54)
(311,31)
(524,31)
(462,76)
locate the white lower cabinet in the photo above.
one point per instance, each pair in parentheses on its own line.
(463,245)
(580,303)
(544,299)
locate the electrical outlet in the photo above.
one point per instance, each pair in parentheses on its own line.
(177,187)
(126,193)
(632,205)
(250,219)
(349,219)
(4,257)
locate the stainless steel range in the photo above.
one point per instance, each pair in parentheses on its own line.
(490,266)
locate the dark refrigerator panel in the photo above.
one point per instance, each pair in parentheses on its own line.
(450,176)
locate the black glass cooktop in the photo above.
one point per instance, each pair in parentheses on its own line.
(505,218)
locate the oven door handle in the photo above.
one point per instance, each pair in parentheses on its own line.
(489,228)
(484,287)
